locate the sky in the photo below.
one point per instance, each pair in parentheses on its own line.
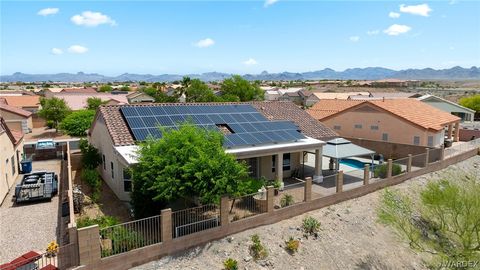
(182,37)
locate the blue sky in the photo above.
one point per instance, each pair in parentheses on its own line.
(156,37)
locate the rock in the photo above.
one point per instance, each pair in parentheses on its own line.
(230,239)
(247,258)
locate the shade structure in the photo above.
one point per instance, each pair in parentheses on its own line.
(339,148)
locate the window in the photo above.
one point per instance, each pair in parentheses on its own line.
(127,180)
(358,125)
(104,162)
(285,162)
(337,127)
(416,140)
(385,137)
(13,165)
(111,167)
(375,127)
(430,140)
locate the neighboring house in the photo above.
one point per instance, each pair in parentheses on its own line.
(264,134)
(11,152)
(403,121)
(78,101)
(139,97)
(339,95)
(466,114)
(385,95)
(29,103)
(16,119)
(308,98)
(75,90)
(291,96)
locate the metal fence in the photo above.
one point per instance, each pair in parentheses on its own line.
(399,166)
(130,235)
(461,148)
(353,178)
(196,219)
(33,261)
(290,195)
(419,161)
(247,206)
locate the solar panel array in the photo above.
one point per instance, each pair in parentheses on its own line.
(248,126)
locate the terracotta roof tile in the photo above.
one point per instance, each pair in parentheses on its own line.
(22,101)
(15,110)
(274,110)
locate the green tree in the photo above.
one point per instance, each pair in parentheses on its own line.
(184,163)
(105,88)
(54,110)
(90,156)
(198,91)
(125,88)
(243,89)
(94,102)
(77,122)
(472,102)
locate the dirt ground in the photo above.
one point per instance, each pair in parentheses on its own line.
(108,204)
(350,238)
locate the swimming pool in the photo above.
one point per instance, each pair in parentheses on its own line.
(352,163)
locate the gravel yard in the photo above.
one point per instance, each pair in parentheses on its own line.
(29,226)
(350,238)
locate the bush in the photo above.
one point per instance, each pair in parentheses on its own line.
(381,170)
(251,186)
(90,156)
(50,124)
(230,264)
(292,245)
(77,123)
(310,225)
(92,178)
(102,221)
(286,200)
(257,250)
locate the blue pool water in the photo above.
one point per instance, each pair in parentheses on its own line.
(352,163)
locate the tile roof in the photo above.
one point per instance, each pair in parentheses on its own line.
(15,110)
(79,90)
(14,136)
(22,101)
(78,101)
(339,95)
(412,110)
(276,110)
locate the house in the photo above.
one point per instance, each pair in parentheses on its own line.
(466,114)
(263,134)
(16,118)
(401,121)
(11,152)
(339,95)
(74,90)
(139,97)
(308,98)
(78,101)
(29,103)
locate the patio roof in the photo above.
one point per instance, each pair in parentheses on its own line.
(341,148)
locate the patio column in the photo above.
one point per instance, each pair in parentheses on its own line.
(456,132)
(318,177)
(450,131)
(279,167)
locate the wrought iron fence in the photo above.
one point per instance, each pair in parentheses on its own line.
(399,166)
(290,195)
(31,260)
(130,235)
(247,206)
(462,147)
(353,178)
(196,219)
(419,161)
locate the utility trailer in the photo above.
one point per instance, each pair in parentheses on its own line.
(37,186)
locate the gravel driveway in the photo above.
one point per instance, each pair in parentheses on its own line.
(30,226)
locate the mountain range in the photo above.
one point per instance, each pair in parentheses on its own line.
(369,73)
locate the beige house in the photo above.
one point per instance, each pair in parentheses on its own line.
(139,97)
(16,119)
(11,151)
(403,121)
(267,135)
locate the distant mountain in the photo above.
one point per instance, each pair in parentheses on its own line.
(369,73)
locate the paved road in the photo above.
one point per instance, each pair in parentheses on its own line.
(31,226)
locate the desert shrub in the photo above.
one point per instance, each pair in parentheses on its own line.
(310,225)
(90,156)
(257,250)
(381,170)
(292,245)
(230,264)
(102,221)
(92,178)
(286,200)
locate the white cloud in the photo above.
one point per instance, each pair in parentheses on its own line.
(89,18)
(397,29)
(453,2)
(422,10)
(373,32)
(203,43)
(250,62)
(354,38)
(48,11)
(394,15)
(57,51)
(269,2)
(77,49)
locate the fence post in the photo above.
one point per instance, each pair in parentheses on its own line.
(270,196)
(427,157)
(89,245)
(442,152)
(340,181)
(366,174)
(166,225)
(409,163)
(224,209)
(308,189)
(389,167)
